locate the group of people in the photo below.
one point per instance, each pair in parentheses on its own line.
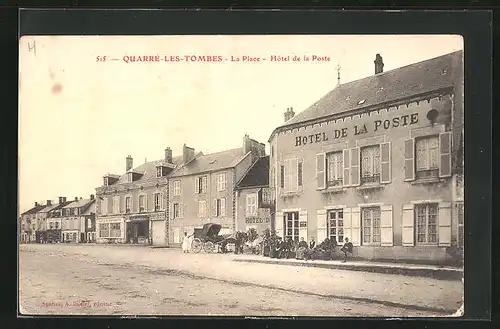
(305,251)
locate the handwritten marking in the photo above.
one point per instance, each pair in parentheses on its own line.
(32,46)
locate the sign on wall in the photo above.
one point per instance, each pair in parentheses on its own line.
(255,220)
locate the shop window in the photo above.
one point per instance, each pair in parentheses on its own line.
(291,225)
(460,222)
(127,205)
(335,225)
(371,225)
(334,170)
(251,208)
(142,203)
(427,157)
(427,220)
(370,164)
(104,230)
(115,230)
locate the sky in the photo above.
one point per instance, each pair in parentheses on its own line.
(80,116)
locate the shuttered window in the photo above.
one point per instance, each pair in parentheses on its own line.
(127,205)
(335,169)
(426,216)
(370,164)
(291,225)
(427,157)
(336,225)
(371,226)
(142,203)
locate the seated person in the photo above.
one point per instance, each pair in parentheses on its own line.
(347,248)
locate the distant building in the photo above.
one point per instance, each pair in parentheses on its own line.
(73,220)
(54,222)
(89,221)
(202,190)
(41,219)
(379,161)
(132,207)
(255,205)
(29,224)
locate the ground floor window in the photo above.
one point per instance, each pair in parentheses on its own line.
(371,225)
(291,225)
(426,216)
(104,230)
(460,222)
(335,225)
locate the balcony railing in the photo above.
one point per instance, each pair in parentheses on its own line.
(427,174)
(373,179)
(334,183)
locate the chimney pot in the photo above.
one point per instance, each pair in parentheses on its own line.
(379,64)
(168,155)
(91,197)
(36,204)
(289,113)
(129,163)
(49,202)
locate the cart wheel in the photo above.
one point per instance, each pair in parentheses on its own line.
(196,245)
(208,246)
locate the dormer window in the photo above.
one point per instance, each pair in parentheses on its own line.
(106,181)
(130,177)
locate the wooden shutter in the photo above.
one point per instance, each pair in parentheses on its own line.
(204,185)
(196,185)
(214,208)
(347,223)
(444,219)
(356,226)
(162,201)
(181,210)
(135,203)
(320,171)
(122,204)
(386,223)
(223,207)
(110,206)
(385,162)
(445,154)
(321,222)
(347,167)
(147,201)
(294,174)
(409,159)
(355,172)
(408,225)
(278,223)
(303,219)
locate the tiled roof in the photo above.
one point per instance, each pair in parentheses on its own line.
(401,83)
(148,170)
(211,162)
(33,210)
(48,208)
(89,208)
(257,175)
(77,204)
(61,205)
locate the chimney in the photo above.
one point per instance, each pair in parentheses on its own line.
(76,198)
(379,64)
(168,155)
(187,153)
(63,199)
(247,144)
(289,114)
(36,204)
(91,197)
(60,200)
(129,163)
(49,202)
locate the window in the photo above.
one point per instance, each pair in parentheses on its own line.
(371,225)
(460,221)
(159,171)
(176,212)
(291,172)
(115,230)
(116,205)
(104,209)
(335,225)
(202,208)
(75,211)
(251,205)
(57,225)
(177,188)
(220,207)
(104,230)
(127,205)
(370,164)
(142,203)
(427,155)
(291,225)
(89,223)
(51,225)
(201,184)
(221,182)
(334,169)
(427,219)
(106,182)
(157,201)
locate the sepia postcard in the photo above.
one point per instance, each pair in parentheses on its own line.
(241,175)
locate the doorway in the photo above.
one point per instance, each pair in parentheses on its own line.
(291,225)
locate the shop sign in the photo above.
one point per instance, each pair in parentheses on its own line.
(139,217)
(256,220)
(376,125)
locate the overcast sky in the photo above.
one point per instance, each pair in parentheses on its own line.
(80,118)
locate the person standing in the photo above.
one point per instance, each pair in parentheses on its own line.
(312,244)
(186,243)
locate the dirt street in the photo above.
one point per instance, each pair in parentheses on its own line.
(116,280)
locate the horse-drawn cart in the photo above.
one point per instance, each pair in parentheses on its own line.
(208,238)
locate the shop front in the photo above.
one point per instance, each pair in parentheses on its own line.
(110,230)
(138,229)
(71,236)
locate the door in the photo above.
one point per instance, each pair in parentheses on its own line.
(158,232)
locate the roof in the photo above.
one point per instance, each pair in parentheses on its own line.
(77,204)
(390,86)
(49,208)
(148,170)
(33,210)
(61,205)
(90,208)
(257,175)
(211,162)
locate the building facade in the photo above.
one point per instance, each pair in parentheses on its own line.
(377,161)
(41,220)
(132,208)
(89,221)
(73,220)
(254,202)
(28,223)
(202,190)
(54,221)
